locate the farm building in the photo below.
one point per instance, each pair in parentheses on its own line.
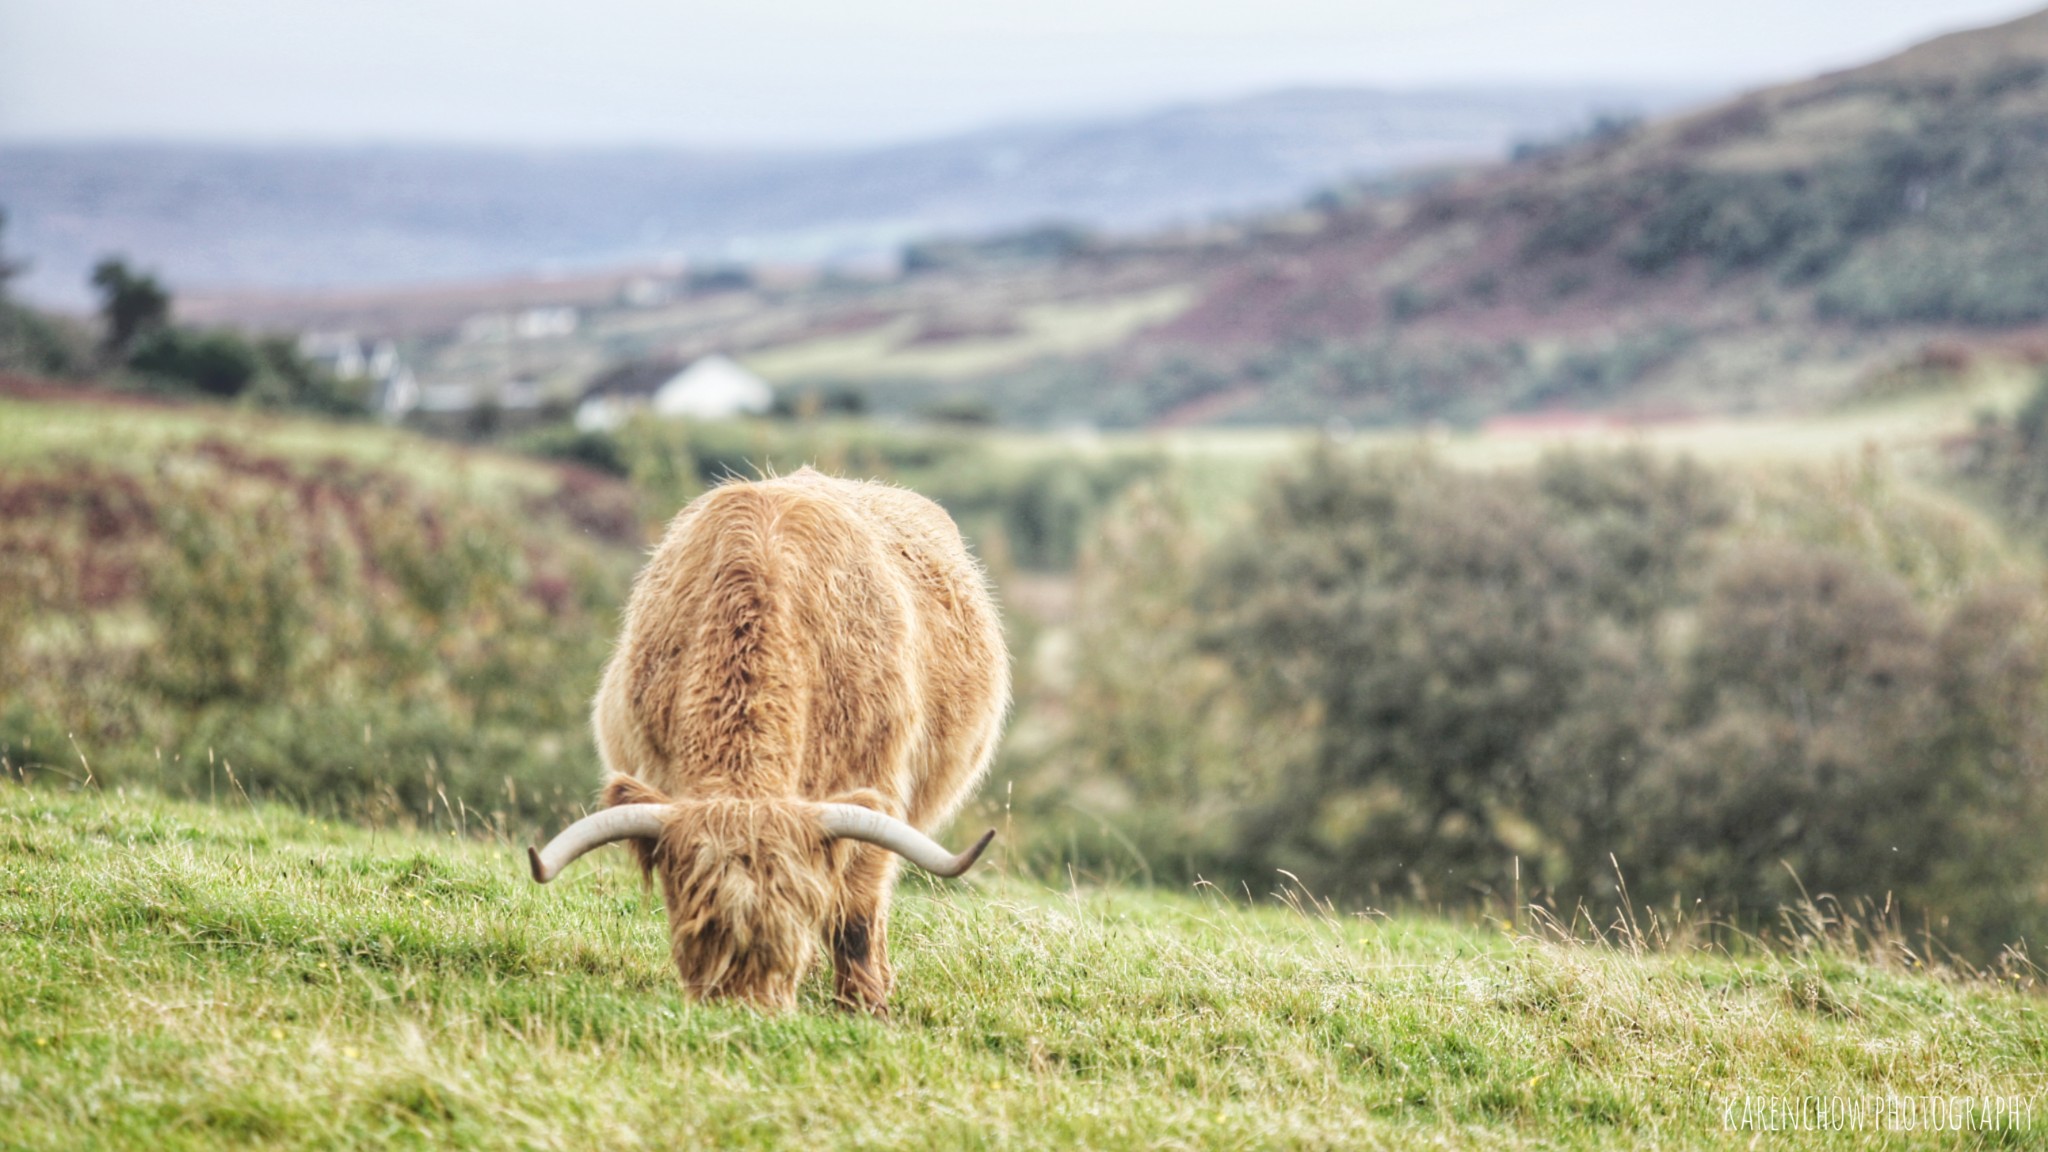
(713,388)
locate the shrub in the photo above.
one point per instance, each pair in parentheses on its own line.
(2008,459)
(1412,302)
(1922,274)
(216,363)
(1572,228)
(1733,220)
(328,634)
(1802,737)
(1729,687)
(1937,221)
(1597,374)
(41,345)
(599,450)
(1155,754)
(286,379)
(1028,510)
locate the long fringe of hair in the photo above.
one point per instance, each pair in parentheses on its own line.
(748,887)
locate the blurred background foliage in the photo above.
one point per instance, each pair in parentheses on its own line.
(1403,681)
(1024,509)
(214,621)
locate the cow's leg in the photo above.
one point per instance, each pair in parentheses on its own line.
(859,935)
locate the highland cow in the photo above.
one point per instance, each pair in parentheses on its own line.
(810,677)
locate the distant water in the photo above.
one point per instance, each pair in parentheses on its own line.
(290,217)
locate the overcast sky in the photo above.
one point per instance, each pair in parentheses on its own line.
(843,72)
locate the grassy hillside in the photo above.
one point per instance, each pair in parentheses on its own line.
(356,619)
(108,427)
(179,976)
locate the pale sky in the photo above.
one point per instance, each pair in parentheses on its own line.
(781,73)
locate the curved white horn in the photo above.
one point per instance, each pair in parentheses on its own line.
(853,822)
(625,822)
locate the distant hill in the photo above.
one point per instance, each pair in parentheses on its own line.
(299,218)
(1778,248)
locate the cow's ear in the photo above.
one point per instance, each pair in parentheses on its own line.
(869,798)
(623,789)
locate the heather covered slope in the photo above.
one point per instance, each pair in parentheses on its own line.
(189,976)
(1781,249)
(1859,193)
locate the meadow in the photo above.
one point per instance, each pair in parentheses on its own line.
(279,899)
(181,975)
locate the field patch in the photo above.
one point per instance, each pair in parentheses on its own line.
(180,975)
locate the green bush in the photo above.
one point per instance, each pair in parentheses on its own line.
(30,341)
(216,363)
(286,379)
(40,345)
(593,449)
(1922,274)
(1028,510)
(1401,681)
(213,620)
(1573,227)
(132,305)
(2008,459)
(1595,374)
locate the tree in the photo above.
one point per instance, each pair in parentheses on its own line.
(9,269)
(1602,664)
(1439,623)
(30,341)
(131,304)
(218,363)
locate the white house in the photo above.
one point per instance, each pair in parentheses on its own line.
(393,389)
(397,394)
(713,388)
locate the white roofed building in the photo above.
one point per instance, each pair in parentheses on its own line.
(712,388)
(394,391)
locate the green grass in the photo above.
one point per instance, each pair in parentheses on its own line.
(1055,328)
(33,430)
(175,975)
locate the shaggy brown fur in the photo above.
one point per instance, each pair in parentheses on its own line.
(797,640)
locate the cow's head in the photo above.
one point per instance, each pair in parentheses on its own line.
(750,884)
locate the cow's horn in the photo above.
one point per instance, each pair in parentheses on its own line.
(853,822)
(624,822)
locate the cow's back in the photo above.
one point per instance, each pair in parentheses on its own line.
(808,636)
